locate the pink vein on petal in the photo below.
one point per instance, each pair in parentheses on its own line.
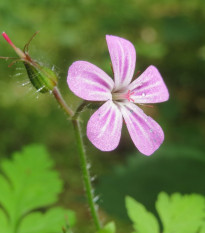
(89,82)
(146,133)
(123,57)
(149,87)
(104,127)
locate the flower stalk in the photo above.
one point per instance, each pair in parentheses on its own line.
(86,174)
(62,102)
(81,151)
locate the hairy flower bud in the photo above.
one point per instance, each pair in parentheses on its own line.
(41,77)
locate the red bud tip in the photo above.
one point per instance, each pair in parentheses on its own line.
(8,39)
(18,51)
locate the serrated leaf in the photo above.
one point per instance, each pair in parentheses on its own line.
(28,182)
(180,214)
(144,221)
(108,228)
(50,222)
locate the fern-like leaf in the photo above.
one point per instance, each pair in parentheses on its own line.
(180,213)
(143,221)
(27,183)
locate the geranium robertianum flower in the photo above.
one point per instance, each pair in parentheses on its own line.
(121,95)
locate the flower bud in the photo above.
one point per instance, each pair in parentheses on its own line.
(41,77)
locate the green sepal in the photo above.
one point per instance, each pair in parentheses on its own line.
(42,78)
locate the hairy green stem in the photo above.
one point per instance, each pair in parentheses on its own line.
(62,102)
(81,151)
(86,174)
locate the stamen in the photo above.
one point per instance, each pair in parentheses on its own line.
(129,93)
(123,96)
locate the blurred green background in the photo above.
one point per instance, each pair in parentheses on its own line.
(169,34)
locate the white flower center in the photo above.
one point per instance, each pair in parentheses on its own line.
(123,96)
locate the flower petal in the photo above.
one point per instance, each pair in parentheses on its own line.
(104,127)
(146,134)
(89,82)
(123,57)
(149,87)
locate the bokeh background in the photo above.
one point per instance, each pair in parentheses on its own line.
(169,34)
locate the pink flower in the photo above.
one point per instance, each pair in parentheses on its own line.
(91,83)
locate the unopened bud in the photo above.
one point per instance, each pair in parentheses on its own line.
(41,77)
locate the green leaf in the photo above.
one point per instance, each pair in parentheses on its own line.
(28,182)
(108,228)
(180,214)
(202,230)
(144,221)
(52,221)
(3,222)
